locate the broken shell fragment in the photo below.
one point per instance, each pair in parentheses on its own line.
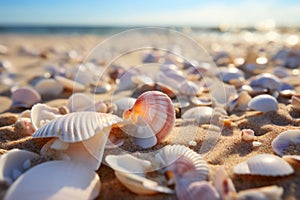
(247,135)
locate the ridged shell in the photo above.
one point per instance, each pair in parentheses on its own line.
(69,84)
(264,165)
(76,127)
(25,97)
(265,193)
(56,180)
(41,114)
(201,114)
(49,88)
(13,163)
(155,109)
(183,162)
(284,139)
(263,103)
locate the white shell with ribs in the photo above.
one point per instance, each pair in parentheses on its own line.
(41,114)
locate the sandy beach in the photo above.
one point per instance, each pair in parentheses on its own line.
(229,150)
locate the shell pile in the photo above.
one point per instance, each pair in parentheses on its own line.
(169,126)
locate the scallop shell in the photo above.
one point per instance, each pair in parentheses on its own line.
(189,88)
(265,193)
(55,180)
(266,80)
(263,103)
(13,163)
(25,97)
(156,110)
(123,104)
(76,127)
(201,114)
(69,84)
(183,162)
(264,165)
(48,88)
(284,139)
(41,114)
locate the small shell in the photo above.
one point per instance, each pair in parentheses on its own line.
(189,88)
(247,135)
(80,102)
(42,114)
(69,84)
(292,159)
(103,88)
(155,86)
(266,80)
(156,110)
(25,97)
(231,73)
(224,184)
(264,165)
(201,101)
(202,114)
(240,102)
(265,193)
(285,139)
(125,82)
(13,161)
(263,103)
(66,180)
(123,104)
(24,125)
(49,88)
(182,162)
(296,101)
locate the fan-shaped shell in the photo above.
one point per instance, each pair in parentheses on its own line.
(183,162)
(201,114)
(25,97)
(76,127)
(285,139)
(69,84)
(13,163)
(49,88)
(155,109)
(41,114)
(263,103)
(264,165)
(56,180)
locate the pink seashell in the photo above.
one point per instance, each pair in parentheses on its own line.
(224,184)
(247,135)
(156,110)
(25,97)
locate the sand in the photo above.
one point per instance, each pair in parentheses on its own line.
(228,151)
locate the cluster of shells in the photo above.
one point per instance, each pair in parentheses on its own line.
(145,107)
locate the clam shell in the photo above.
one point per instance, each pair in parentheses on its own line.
(48,88)
(284,139)
(231,73)
(25,97)
(266,80)
(55,180)
(265,193)
(183,162)
(69,84)
(263,103)
(41,114)
(264,165)
(14,161)
(201,114)
(155,109)
(76,127)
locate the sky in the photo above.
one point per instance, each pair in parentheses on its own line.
(150,12)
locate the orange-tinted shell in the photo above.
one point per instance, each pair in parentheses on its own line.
(155,108)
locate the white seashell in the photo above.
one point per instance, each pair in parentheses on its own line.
(256,144)
(128,163)
(69,84)
(240,102)
(247,135)
(285,139)
(296,101)
(264,165)
(231,73)
(202,114)
(266,80)
(80,102)
(12,162)
(265,193)
(201,101)
(103,88)
(155,110)
(123,104)
(200,190)
(189,88)
(140,185)
(55,180)
(142,79)
(41,114)
(48,88)
(263,103)
(125,82)
(182,162)
(224,184)
(25,97)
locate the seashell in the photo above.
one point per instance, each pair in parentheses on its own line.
(25,97)
(292,159)
(123,104)
(266,80)
(284,140)
(80,102)
(247,135)
(125,82)
(128,163)
(13,163)
(103,88)
(296,101)
(48,88)
(254,91)
(280,72)
(69,84)
(287,90)
(201,101)
(202,115)
(221,92)
(86,141)
(224,184)
(240,102)
(156,87)
(228,74)
(264,165)
(200,190)
(140,185)
(264,193)
(183,162)
(153,109)
(142,79)
(189,88)
(25,126)
(263,103)
(56,180)
(41,114)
